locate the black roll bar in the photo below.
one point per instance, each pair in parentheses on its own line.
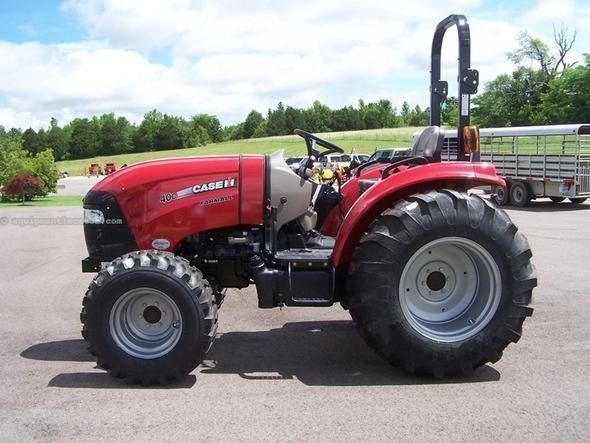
(468,79)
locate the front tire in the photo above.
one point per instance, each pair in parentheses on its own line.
(149,317)
(441,283)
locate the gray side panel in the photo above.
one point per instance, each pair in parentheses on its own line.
(285,183)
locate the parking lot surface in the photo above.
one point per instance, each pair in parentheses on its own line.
(287,375)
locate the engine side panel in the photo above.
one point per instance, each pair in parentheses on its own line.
(290,194)
(165,201)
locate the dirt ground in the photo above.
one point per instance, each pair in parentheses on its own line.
(287,375)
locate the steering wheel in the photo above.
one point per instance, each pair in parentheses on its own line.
(312,140)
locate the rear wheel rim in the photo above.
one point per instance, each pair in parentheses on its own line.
(145,323)
(450,289)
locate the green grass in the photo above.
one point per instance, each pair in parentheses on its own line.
(362,141)
(53,200)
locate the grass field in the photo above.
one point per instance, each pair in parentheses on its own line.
(362,141)
(53,200)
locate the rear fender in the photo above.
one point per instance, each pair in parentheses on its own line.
(384,193)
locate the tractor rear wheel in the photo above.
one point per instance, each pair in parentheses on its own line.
(149,317)
(441,283)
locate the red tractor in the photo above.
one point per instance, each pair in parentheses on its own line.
(437,280)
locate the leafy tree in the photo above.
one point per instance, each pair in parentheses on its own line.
(85,139)
(211,124)
(42,166)
(318,118)
(260,130)
(450,111)
(13,159)
(294,119)
(56,139)
(34,142)
(418,117)
(253,120)
(566,100)
(145,136)
(170,133)
(406,113)
(509,100)
(276,123)
(347,119)
(116,134)
(233,132)
(22,187)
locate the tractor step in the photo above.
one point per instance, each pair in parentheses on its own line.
(304,258)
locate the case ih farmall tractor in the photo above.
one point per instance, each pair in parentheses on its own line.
(437,280)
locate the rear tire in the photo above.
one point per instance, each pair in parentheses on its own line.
(406,259)
(149,317)
(557,199)
(501,195)
(577,200)
(520,196)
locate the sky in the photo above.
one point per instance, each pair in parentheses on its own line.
(78,58)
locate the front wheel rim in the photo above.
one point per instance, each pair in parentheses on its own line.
(145,323)
(450,289)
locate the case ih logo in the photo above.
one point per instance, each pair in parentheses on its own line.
(212,186)
(168,197)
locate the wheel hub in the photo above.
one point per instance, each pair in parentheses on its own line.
(450,289)
(152,314)
(145,323)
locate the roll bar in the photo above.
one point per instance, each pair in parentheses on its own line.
(468,79)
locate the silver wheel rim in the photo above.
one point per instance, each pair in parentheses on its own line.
(145,323)
(450,289)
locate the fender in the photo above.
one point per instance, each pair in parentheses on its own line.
(381,195)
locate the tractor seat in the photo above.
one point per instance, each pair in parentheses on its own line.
(428,146)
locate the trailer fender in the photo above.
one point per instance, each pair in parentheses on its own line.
(385,192)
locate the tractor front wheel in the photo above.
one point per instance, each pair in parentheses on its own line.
(149,317)
(441,283)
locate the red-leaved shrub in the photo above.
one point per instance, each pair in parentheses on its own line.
(22,187)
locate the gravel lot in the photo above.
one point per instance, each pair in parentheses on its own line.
(291,374)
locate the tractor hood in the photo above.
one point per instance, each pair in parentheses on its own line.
(165,201)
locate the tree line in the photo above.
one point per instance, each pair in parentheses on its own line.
(109,134)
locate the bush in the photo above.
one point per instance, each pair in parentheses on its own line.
(43,167)
(22,187)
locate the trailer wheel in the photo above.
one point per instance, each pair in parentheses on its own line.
(520,195)
(557,199)
(149,317)
(441,283)
(501,195)
(577,200)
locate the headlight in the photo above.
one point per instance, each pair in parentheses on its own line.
(93,217)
